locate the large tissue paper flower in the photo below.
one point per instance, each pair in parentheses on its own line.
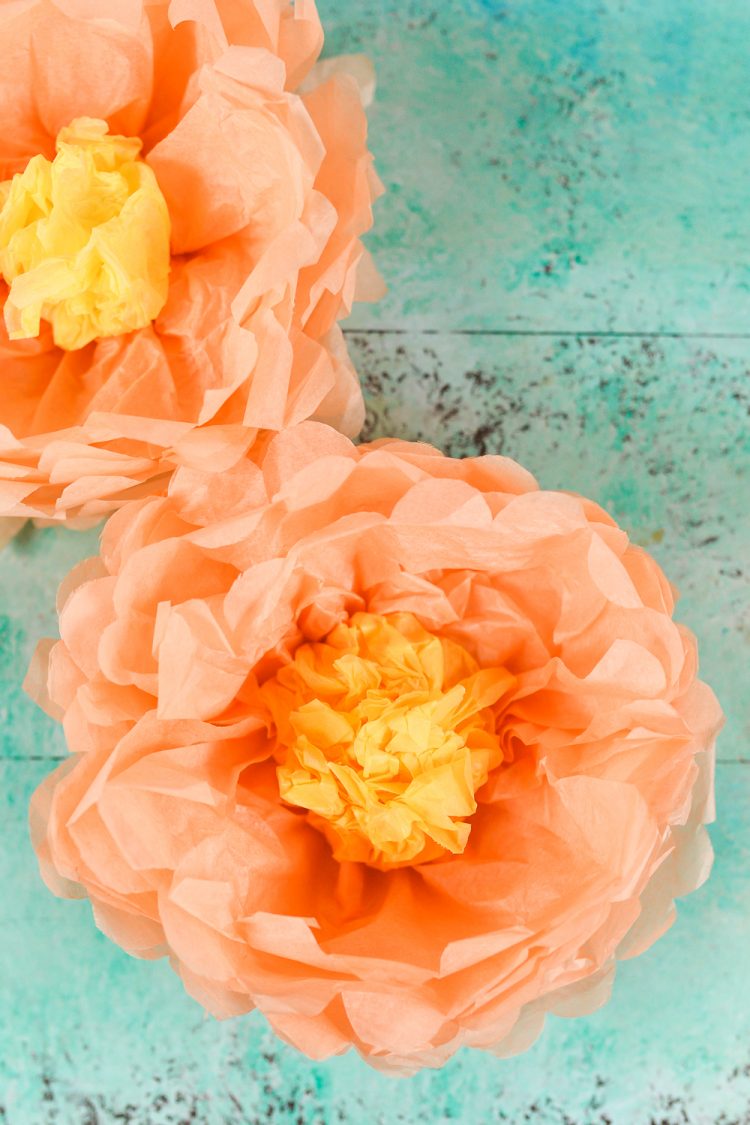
(181,201)
(396,748)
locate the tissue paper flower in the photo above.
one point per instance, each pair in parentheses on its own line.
(399,749)
(181,203)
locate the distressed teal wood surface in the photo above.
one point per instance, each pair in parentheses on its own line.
(567,184)
(557,164)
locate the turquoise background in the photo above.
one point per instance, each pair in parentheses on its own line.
(566,238)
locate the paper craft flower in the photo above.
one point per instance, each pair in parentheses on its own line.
(181,203)
(396,748)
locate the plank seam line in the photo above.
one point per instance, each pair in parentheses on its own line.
(547,333)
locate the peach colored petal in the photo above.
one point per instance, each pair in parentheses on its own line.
(291,31)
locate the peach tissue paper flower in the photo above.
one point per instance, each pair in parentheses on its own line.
(182,195)
(401,750)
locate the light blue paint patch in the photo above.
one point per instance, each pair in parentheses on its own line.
(31,568)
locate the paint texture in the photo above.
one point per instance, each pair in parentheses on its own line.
(565,181)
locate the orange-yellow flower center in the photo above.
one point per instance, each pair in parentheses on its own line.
(84,239)
(384,733)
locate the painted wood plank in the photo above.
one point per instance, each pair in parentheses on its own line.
(655,431)
(556,165)
(89,1036)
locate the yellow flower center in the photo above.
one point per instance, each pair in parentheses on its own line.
(384,733)
(84,239)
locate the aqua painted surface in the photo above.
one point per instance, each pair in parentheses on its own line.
(565,180)
(558,164)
